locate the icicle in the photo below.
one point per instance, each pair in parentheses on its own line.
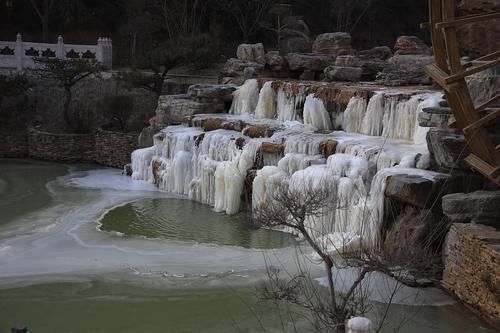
(315,113)
(245,98)
(354,114)
(266,106)
(372,122)
(286,105)
(141,164)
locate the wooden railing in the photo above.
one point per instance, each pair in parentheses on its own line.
(450,73)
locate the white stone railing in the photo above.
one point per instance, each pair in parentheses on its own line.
(19,55)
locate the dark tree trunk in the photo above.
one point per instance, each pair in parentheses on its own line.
(67,102)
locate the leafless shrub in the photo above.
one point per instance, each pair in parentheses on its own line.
(328,312)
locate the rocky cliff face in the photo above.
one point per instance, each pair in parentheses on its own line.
(482,38)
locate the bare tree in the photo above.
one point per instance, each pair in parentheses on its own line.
(43,9)
(182,18)
(67,73)
(248,14)
(293,209)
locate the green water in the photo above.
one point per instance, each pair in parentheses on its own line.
(66,276)
(23,187)
(189,221)
(103,307)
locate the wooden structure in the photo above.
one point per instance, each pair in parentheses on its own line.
(450,73)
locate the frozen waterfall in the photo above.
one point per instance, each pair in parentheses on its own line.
(380,137)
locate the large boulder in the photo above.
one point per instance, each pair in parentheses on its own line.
(406,70)
(480,38)
(448,148)
(477,207)
(308,61)
(252,53)
(411,45)
(295,45)
(416,190)
(335,43)
(353,68)
(378,52)
(236,71)
(275,61)
(212,92)
(437,116)
(343,73)
(175,108)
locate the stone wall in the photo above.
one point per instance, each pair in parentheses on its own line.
(61,147)
(114,148)
(13,145)
(103,147)
(472,267)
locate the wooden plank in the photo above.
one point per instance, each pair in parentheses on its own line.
(472,70)
(438,45)
(485,121)
(483,167)
(495,54)
(463,109)
(436,74)
(450,38)
(495,173)
(488,103)
(498,148)
(467,20)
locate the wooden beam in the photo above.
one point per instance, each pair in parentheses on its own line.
(467,20)
(450,39)
(488,56)
(438,45)
(483,167)
(437,74)
(488,103)
(485,121)
(472,70)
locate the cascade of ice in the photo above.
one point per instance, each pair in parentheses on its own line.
(345,179)
(400,118)
(353,214)
(141,162)
(266,181)
(206,167)
(381,138)
(354,115)
(266,106)
(245,98)
(315,113)
(294,162)
(287,105)
(372,122)
(388,116)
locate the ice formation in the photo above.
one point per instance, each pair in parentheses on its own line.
(245,98)
(266,106)
(287,105)
(380,137)
(315,113)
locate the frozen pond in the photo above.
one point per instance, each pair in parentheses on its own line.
(74,257)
